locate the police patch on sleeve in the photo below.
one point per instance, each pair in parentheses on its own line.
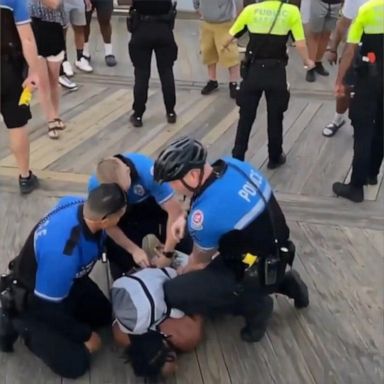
(197,219)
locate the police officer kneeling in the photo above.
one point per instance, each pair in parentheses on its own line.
(151,24)
(233,212)
(48,298)
(269,24)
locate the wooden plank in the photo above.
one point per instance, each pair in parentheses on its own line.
(87,122)
(168,134)
(210,357)
(302,157)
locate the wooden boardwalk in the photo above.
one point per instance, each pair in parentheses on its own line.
(338,339)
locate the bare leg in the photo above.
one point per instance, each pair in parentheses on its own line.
(212,72)
(19,144)
(322,45)
(44,92)
(234,73)
(53,75)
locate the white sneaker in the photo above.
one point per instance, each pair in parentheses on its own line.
(83,65)
(67,83)
(67,68)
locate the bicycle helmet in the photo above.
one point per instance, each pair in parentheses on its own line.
(178,158)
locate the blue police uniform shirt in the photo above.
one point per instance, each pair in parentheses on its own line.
(145,185)
(230,202)
(58,267)
(19,9)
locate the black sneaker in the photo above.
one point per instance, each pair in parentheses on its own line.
(233,88)
(136,121)
(295,288)
(310,76)
(273,164)
(28,184)
(349,191)
(211,86)
(171,117)
(110,60)
(8,334)
(319,68)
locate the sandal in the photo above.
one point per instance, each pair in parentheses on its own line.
(60,125)
(332,128)
(53,130)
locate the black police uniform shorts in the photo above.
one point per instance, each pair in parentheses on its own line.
(102,6)
(12,77)
(49,37)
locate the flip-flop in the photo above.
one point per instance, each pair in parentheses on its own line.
(332,128)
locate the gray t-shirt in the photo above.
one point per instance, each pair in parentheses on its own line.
(218,11)
(39,10)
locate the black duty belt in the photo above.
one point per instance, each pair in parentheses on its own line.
(148,18)
(269,62)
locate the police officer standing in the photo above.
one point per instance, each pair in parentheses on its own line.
(53,304)
(269,24)
(366,107)
(17,46)
(251,229)
(151,24)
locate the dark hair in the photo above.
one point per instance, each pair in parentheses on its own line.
(178,158)
(106,200)
(148,353)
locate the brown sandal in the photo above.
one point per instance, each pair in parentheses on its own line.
(53,130)
(60,124)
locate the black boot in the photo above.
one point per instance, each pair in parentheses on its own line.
(256,325)
(295,288)
(349,191)
(8,334)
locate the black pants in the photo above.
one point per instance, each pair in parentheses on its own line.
(366,113)
(269,78)
(143,219)
(217,290)
(64,356)
(148,37)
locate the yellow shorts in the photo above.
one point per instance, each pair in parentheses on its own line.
(212,38)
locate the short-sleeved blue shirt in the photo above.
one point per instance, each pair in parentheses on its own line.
(19,9)
(65,249)
(144,185)
(230,202)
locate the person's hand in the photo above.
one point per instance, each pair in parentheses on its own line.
(93,344)
(178,228)
(88,5)
(159,260)
(339,89)
(190,267)
(140,257)
(32,81)
(331,56)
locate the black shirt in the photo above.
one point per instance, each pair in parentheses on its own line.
(152,7)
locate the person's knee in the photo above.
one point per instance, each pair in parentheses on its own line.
(75,366)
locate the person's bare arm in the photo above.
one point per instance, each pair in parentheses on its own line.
(29,47)
(198,259)
(337,36)
(185,333)
(138,254)
(301,48)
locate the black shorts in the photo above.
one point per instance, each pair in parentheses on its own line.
(102,6)
(49,37)
(12,77)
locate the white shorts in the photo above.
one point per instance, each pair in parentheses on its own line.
(55,58)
